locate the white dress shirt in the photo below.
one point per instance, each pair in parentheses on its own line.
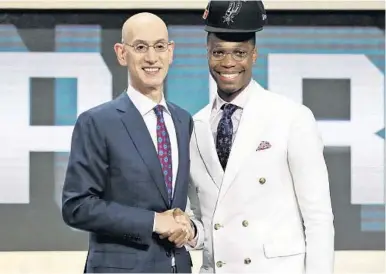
(216,114)
(146,107)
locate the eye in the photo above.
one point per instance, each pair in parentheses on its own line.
(240,53)
(160,46)
(140,47)
(218,53)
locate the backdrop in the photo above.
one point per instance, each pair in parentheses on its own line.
(55,65)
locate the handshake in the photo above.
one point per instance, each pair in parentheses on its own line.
(175,225)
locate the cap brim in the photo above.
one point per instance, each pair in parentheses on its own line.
(222,30)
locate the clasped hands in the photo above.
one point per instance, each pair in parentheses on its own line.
(175,225)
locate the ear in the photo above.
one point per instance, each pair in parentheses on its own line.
(171,51)
(120,52)
(254,55)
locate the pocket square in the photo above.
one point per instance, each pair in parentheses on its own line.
(263,145)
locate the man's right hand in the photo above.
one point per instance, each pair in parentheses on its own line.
(167,227)
(165,223)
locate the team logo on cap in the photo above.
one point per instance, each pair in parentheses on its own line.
(205,15)
(234,8)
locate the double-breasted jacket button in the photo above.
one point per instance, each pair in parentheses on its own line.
(245,223)
(247,261)
(217,226)
(262,180)
(219,264)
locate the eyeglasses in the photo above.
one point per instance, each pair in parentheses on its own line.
(237,54)
(144,47)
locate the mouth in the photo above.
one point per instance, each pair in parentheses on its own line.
(151,70)
(229,76)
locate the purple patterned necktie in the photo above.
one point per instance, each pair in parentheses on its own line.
(224,134)
(164,150)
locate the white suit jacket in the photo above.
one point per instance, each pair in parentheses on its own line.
(270,212)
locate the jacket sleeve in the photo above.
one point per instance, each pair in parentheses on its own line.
(310,176)
(87,177)
(193,205)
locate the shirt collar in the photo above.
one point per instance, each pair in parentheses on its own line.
(240,101)
(143,103)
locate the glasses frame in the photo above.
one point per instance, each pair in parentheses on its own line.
(148,47)
(210,55)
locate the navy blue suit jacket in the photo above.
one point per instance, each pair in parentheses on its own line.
(114,184)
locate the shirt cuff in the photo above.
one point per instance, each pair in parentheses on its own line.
(193,243)
(154,223)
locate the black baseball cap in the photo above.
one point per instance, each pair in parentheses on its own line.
(243,16)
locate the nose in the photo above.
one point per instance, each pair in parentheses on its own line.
(228,61)
(151,56)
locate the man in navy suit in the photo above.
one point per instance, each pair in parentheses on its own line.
(129,165)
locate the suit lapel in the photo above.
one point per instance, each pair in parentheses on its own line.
(252,124)
(138,132)
(207,148)
(181,143)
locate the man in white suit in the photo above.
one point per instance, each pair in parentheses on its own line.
(259,179)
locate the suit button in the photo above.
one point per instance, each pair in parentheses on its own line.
(217,226)
(245,223)
(219,264)
(247,261)
(262,180)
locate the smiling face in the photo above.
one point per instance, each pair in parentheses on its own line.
(230,64)
(145,51)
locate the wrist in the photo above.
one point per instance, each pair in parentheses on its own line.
(194,228)
(156,222)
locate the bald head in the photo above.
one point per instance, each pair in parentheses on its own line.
(145,23)
(146,52)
